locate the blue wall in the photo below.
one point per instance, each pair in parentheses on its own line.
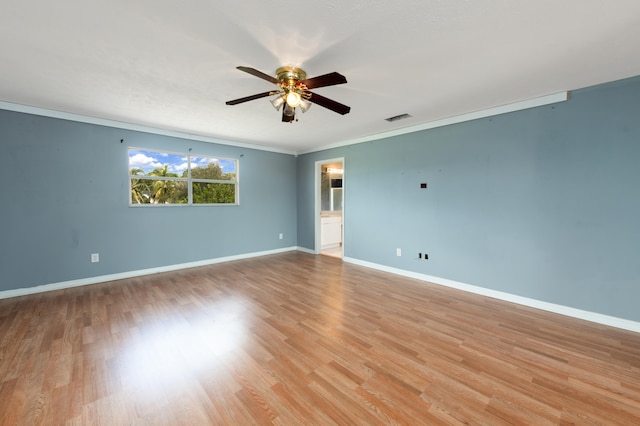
(542,203)
(65,195)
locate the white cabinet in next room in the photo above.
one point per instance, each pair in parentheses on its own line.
(330,231)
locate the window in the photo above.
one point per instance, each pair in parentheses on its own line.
(165,178)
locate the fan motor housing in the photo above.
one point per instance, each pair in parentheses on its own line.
(286,74)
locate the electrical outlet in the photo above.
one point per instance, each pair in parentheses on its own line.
(95,257)
(426,256)
(280,236)
(398,252)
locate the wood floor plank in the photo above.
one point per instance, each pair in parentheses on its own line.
(293,339)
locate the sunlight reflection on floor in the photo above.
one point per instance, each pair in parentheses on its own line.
(175,348)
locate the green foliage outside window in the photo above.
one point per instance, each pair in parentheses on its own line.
(212,192)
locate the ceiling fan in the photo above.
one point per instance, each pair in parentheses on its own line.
(293,91)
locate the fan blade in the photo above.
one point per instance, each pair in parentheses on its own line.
(328,103)
(259,74)
(330,79)
(249,98)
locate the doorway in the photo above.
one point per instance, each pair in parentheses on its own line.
(329,209)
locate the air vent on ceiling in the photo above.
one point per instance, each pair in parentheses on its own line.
(397,117)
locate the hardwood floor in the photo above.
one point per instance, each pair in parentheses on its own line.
(333,251)
(295,339)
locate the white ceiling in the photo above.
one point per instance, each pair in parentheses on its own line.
(171,65)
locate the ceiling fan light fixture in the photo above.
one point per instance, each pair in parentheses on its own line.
(277,102)
(288,113)
(304,105)
(293,99)
(289,110)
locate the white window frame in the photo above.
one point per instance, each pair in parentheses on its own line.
(188,179)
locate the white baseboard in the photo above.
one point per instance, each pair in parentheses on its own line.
(525,301)
(305,250)
(130,274)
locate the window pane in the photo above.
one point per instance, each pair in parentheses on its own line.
(155,163)
(169,192)
(155,191)
(141,191)
(214,193)
(212,168)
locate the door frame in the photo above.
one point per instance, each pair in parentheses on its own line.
(318,206)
